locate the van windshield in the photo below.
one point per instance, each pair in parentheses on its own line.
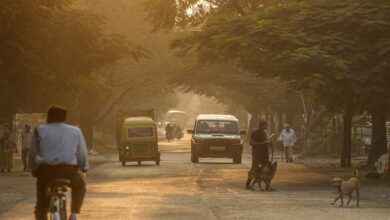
(140,132)
(216,127)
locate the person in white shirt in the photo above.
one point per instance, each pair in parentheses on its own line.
(58,151)
(288,139)
(26,143)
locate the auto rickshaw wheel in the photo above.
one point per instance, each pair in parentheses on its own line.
(123,163)
(237,159)
(194,159)
(139,162)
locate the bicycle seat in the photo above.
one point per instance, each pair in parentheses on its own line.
(59,182)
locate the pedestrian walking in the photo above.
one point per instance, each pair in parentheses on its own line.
(288,139)
(26,143)
(169,132)
(7,149)
(260,143)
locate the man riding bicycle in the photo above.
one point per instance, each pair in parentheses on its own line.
(58,151)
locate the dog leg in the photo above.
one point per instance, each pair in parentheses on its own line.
(253,184)
(268,186)
(357,197)
(349,199)
(248,180)
(261,188)
(335,200)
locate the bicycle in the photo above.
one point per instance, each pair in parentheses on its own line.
(57,189)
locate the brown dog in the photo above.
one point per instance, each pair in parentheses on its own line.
(346,188)
(264,174)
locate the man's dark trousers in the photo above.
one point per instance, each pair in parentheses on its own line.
(260,156)
(25,152)
(45,174)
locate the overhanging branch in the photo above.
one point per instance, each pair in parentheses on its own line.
(119,98)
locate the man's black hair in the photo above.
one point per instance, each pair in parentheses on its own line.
(56,113)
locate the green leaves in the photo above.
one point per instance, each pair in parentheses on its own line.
(51,51)
(318,45)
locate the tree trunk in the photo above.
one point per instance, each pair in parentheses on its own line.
(347,139)
(86,125)
(272,122)
(289,117)
(332,145)
(280,121)
(378,136)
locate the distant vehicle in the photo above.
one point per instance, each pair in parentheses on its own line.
(216,136)
(138,137)
(177,117)
(178,133)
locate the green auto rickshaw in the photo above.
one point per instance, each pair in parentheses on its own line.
(139,141)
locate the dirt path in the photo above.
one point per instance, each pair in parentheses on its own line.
(212,189)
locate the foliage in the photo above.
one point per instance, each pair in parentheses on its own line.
(127,19)
(292,41)
(335,51)
(51,52)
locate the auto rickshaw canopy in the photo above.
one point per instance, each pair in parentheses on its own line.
(138,121)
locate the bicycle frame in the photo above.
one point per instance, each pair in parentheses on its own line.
(57,207)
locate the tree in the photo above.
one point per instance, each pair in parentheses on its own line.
(320,47)
(53,52)
(141,84)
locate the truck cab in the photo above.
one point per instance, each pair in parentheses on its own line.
(216,136)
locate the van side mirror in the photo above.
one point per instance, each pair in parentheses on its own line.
(242,132)
(190,131)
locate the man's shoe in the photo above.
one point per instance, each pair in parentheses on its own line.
(73,216)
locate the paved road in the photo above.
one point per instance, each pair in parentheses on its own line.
(212,189)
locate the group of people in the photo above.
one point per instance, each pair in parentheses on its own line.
(172,132)
(260,141)
(8,147)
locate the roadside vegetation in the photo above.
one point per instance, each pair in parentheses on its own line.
(322,66)
(323,63)
(75,54)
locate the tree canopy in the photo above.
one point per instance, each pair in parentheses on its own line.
(336,51)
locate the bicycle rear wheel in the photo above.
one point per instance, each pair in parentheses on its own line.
(62,211)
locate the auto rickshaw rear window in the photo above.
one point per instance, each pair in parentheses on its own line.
(140,132)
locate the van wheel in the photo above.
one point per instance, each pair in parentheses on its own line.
(139,162)
(194,159)
(123,163)
(237,159)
